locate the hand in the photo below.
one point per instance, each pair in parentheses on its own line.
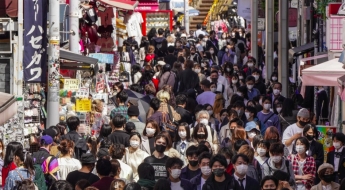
(308,177)
(297,135)
(286,184)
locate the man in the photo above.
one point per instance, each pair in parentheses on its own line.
(88,161)
(219,178)
(133,113)
(229,55)
(187,78)
(220,79)
(192,169)
(203,162)
(206,97)
(181,102)
(239,107)
(158,158)
(277,88)
(48,162)
(53,133)
(103,168)
(214,77)
(241,162)
(121,108)
(160,43)
(173,167)
(119,135)
(212,42)
(80,148)
(227,130)
(268,118)
(252,92)
(198,31)
(117,152)
(170,58)
(259,84)
(251,66)
(294,131)
(337,156)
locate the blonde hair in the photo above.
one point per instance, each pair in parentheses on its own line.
(170,39)
(218,104)
(163,96)
(151,49)
(239,133)
(248,151)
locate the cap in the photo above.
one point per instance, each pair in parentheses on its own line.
(133,111)
(303,113)
(46,139)
(51,132)
(324,166)
(250,126)
(87,158)
(162,63)
(102,152)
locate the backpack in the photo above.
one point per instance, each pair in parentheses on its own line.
(40,180)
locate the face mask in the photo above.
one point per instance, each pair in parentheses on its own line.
(211,52)
(204,121)
(276,159)
(300,149)
(178,44)
(205,39)
(133,48)
(242,169)
(247,115)
(240,77)
(197,70)
(228,40)
(261,152)
(250,64)
(171,44)
(182,134)
(239,93)
(226,50)
(175,173)
(260,101)
(251,135)
(267,106)
(239,113)
(203,44)
(218,172)
(134,144)
(276,91)
(234,81)
(250,86)
(210,112)
(279,110)
(228,161)
(336,145)
(273,141)
(310,137)
(274,78)
(193,162)
(201,135)
(228,69)
(160,148)
(203,64)
(213,89)
(256,77)
(150,131)
(206,170)
(328,178)
(302,123)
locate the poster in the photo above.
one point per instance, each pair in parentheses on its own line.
(325,137)
(244,9)
(71,84)
(103,57)
(83,105)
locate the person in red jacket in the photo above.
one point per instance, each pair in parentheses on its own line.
(9,164)
(228,153)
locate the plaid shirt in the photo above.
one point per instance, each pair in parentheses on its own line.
(119,110)
(309,167)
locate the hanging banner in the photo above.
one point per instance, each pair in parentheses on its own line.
(325,137)
(35,41)
(244,9)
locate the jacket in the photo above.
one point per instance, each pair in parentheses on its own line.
(335,186)
(196,182)
(184,173)
(80,143)
(167,78)
(185,184)
(18,174)
(213,140)
(341,170)
(251,184)
(231,183)
(145,144)
(139,126)
(161,46)
(170,59)
(187,79)
(268,168)
(134,159)
(186,116)
(120,137)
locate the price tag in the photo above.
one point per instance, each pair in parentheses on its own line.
(83,105)
(82,93)
(71,84)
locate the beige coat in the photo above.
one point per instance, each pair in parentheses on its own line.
(334,185)
(134,159)
(213,140)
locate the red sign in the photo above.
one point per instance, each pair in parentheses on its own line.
(292,17)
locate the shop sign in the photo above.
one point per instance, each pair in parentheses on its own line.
(83,105)
(35,41)
(261,24)
(103,57)
(292,17)
(100,86)
(147,8)
(244,9)
(325,137)
(71,84)
(82,93)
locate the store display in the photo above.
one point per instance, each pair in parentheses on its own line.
(156,19)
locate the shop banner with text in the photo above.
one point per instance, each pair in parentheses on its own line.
(325,138)
(35,40)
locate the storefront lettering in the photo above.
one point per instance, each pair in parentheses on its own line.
(71,84)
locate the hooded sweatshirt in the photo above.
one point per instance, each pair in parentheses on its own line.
(268,168)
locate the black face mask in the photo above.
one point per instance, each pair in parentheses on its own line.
(327,178)
(214,80)
(218,172)
(201,136)
(273,141)
(160,148)
(310,137)
(193,163)
(302,123)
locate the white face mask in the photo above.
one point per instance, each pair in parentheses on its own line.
(228,69)
(197,70)
(256,77)
(204,121)
(261,152)
(150,131)
(250,64)
(175,173)
(336,145)
(250,86)
(274,78)
(206,170)
(203,64)
(239,93)
(242,169)
(134,144)
(211,52)
(210,112)
(234,81)
(300,149)
(228,161)
(247,115)
(213,89)
(240,77)
(276,91)
(251,134)
(276,159)
(260,101)
(279,110)
(267,106)
(182,134)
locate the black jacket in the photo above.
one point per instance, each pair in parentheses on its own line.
(119,137)
(187,79)
(80,143)
(341,170)
(161,46)
(170,59)
(231,183)
(251,184)
(261,87)
(185,115)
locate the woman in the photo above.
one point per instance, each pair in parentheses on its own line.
(269,85)
(117,184)
(146,174)
(136,74)
(25,169)
(269,182)
(164,97)
(212,57)
(182,140)
(150,56)
(200,134)
(93,145)
(214,122)
(118,87)
(104,132)
(169,151)
(326,174)
(262,152)
(272,136)
(197,70)
(116,170)
(239,134)
(134,155)
(150,132)
(144,46)
(304,166)
(172,100)
(9,163)
(167,77)
(223,120)
(67,163)
(218,105)
(252,130)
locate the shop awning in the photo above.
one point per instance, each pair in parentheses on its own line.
(324,74)
(122,4)
(302,49)
(191,10)
(147,6)
(8,107)
(68,55)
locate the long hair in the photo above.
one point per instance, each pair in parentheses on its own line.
(11,148)
(93,142)
(27,161)
(218,103)
(3,148)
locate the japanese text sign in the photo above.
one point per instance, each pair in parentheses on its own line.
(83,105)
(71,84)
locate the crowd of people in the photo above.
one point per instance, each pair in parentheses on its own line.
(213,124)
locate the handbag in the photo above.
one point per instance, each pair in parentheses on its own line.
(167,125)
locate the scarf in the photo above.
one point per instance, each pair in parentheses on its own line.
(146,183)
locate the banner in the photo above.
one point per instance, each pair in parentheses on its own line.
(35,40)
(325,137)
(244,9)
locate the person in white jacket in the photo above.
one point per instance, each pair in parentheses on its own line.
(117,151)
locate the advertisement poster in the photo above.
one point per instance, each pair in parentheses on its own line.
(325,137)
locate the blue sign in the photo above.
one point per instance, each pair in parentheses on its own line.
(35,41)
(103,57)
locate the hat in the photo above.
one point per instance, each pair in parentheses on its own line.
(183,35)
(102,152)
(250,126)
(133,111)
(87,158)
(303,113)
(51,132)
(46,139)
(162,63)
(133,102)
(324,166)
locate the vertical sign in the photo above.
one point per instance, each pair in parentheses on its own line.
(35,40)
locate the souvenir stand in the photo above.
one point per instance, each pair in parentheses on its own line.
(156,19)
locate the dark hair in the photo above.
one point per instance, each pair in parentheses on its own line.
(3,148)
(154,124)
(155,103)
(266,98)
(135,134)
(189,64)
(257,139)
(130,126)
(105,143)
(243,156)
(83,183)
(61,127)
(266,178)
(146,171)
(118,121)
(167,137)
(196,129)
(103,167)
(313,127)
(186,127)
(117,151)
(172,161)
(252,110)
(226,151)
(27,161)
(192,150)
(304,141)
(181,99)
(202,148)
(115,165)
(132,186)
(122,96)
(203,156)
(11,148)
(266,144)
(119,85)
(105,131)
(162,184)
(276,148)
(238,143)
(136,87)
(250,78)
(238,121)
(73,122)
(61,184)
(65,146)
(93,142)
(218,158)
(25,184)
(339,136)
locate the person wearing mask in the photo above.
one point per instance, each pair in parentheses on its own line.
(197,69)
(219,179)
(121,108)
(304,166)
(228,130)
(295,130)
(220,87)
(182,140)
(252,92)
(229,55)
(269,183)
(119,135)
(187,78)
(160,43)
(203,163)
(170,59)
(67,163)
(103,168)
(241,164)
(134,155)
(326,174)
(251,114)
(117,151)
(251,65)
(267,117)
(336,156)
(150,132)
(192,169)
(277,162)
(200,135)
(259,84)
(252,129)
(158,158)
(262,152)
(239,107)
(194,56)
(272,136)
(207,96)
(212,42)
(220,79)
(173,167)
(118,87)
(133,113)
(146,174)
(269,85)
(277,88)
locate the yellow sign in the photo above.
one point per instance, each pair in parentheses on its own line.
(83,105)
(71,84)
(54,42)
